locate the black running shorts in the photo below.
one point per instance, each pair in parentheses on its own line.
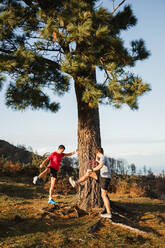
(53,172)
(103,181)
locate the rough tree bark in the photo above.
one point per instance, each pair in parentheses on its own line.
(88,139)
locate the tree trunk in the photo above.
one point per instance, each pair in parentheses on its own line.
(89,195)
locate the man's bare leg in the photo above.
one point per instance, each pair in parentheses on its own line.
(86,176)
(83,178)
(45,172)
(42,174)
(106,200)
(52,185)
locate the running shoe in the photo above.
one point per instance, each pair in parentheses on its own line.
(109,216)
(51,201)
(35,179)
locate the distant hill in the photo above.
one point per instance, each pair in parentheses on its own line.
(14,153)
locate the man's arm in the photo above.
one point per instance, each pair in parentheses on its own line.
(98,167)
(44,162)
(97,159)
(70,154)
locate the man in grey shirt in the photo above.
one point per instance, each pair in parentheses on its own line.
(105,170)
(102,174)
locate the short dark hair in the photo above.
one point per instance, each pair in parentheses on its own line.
(100,149)
(61,147)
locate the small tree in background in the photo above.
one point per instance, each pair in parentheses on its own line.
(133,169)
(43,44)
(144,170)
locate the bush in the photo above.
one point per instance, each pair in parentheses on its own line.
(9,168)
(130,185)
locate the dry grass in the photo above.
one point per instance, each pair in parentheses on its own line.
(25,220)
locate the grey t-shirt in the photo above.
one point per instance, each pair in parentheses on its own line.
(105,171)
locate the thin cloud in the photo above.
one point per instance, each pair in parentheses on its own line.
(133,141)
(139,154)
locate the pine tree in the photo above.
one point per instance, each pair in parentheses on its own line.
(43,44)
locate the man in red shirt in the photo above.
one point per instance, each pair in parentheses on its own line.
(53,167)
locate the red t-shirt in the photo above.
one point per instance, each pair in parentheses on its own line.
(55,160)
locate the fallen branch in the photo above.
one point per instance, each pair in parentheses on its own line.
(135,230)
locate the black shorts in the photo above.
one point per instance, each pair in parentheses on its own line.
(53,172)
(103,181)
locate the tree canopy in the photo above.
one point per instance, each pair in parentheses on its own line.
(45,43)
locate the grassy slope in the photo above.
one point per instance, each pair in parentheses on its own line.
(22,223)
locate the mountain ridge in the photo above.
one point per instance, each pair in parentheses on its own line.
(14,153)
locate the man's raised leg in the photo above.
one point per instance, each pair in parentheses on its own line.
(82,179)
(42,174)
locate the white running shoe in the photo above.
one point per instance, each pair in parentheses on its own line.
(109,216)
(35,179)
(72,182)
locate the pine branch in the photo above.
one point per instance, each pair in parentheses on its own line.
(48,61)
(49,50)
(29,3)
(105,81)
(117,7)
(5,51)
(108,77)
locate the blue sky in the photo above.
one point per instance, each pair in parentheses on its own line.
(136,136)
